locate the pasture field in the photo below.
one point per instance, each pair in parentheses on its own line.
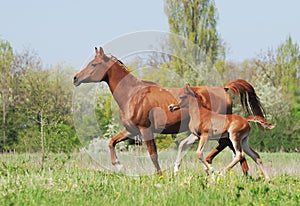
(75,180)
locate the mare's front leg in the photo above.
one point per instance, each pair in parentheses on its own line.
(148,136)
(121,136)
(184,144)
(202,142)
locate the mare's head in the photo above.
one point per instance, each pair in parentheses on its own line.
(96,69)
(183,98)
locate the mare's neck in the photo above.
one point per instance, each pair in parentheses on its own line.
(121,83)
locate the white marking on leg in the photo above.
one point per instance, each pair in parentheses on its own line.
(238,153)
(184,144)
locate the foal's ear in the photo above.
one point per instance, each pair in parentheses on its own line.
(188,89)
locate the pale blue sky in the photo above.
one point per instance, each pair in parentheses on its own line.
(66,31)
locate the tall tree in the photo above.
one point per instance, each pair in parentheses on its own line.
(196,21)
(281,68)
(6,58)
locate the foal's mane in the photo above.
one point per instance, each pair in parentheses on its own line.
(194,94)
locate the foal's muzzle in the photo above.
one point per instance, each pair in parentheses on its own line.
(173,107)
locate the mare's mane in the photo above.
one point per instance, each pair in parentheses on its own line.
(147,82)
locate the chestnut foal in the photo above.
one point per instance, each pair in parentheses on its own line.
(205,124)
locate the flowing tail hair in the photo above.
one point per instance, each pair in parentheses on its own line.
(261,121)
(249,100)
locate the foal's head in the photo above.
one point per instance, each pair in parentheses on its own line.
(96,69)
(183,99)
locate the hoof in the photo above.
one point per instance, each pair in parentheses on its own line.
(118,167)
(176,170)
(267,179)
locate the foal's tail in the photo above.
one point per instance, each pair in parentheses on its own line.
(261,121)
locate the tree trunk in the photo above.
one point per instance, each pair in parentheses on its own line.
(3,120)
(42,138)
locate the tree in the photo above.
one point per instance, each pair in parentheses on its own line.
(281,69)
(275,74)
(6,58)
(196,22)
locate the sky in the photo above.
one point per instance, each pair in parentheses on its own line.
(66,31)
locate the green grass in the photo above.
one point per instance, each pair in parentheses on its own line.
(77,181)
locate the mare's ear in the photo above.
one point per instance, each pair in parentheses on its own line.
(101,52)
(96,50)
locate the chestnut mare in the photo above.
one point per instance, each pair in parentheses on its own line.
(205,124)
(144,105)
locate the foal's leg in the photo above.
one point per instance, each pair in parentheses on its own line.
(255,156)
(238,151)
(121,136)
(243,161)
(202,142)
(223,143)
(184,144)
(148,136)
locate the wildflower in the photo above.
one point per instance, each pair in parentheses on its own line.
(161,177)
(158,185)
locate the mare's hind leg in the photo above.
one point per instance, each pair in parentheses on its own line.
(223,143)
(121,136)
(255,156)
(184,144)
(148,136)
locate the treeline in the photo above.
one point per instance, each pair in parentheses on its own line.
(36,106)
(275,75)
(36,102)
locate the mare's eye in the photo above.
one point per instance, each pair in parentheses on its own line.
(95,64)
(182,97)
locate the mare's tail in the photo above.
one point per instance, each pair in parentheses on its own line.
(249,100)
(261,121)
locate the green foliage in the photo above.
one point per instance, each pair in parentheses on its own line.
(284,137)
(164,142)
(36,105)
(6,79)
(196,21)
(195,42)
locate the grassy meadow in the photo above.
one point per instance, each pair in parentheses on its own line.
(76,180)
